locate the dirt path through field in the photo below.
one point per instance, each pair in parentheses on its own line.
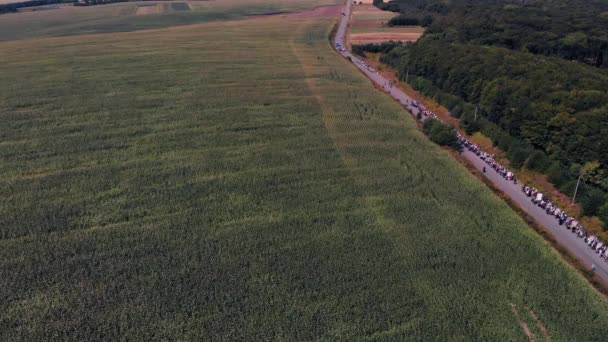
(323,11)
(378,37)
(540,325)
(523,324)
(148,9)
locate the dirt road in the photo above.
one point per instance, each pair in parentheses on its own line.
(576,246)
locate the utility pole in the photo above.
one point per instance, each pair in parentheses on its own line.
(476,107)
(407,74)
(577,182)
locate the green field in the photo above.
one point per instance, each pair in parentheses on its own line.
(121,17)
(240,181)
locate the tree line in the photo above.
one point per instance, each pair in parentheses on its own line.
(14,7)
(572,30)
(98,2)
(547,114)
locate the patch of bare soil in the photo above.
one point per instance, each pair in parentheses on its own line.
(324,11)
(378,37)
(368,23)
(368,8)
(148,9)
(523,324)
(540,325)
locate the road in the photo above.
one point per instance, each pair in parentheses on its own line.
(576,246)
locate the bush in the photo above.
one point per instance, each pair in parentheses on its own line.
(441,134)
(420,84)
(556,174)
(568,187)
(591,201)
(468,123)
(402,20)
(471,127)
(603,213)
(358,50)
(518,157)
(456,111)
(502,141)
(537,161)
(426,21)
(383,47)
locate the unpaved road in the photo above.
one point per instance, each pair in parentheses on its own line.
(576,246)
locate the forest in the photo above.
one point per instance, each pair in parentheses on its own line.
(15,6)
(514,72)
(572,30)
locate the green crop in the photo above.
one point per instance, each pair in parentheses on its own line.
(241,181)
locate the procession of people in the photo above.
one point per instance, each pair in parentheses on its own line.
(535,196)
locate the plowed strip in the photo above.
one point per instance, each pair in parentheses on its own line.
(523,324)
(540,325)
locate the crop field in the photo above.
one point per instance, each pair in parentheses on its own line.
(418,30)
(368,25)
(146,9)
(370,12)
(171,185)
(121,17)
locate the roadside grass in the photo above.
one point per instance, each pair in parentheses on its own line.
(121,17)
(241,181)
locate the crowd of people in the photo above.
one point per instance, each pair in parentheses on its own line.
(536,197)
(368,67)
(488,159)
(569,222)
(420,107)
(540,200)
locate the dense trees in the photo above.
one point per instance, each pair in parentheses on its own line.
(556,106)
(383,47)
(97,2)
(572,30)
(441,133)
(402,20)
(14,7)
(506,70)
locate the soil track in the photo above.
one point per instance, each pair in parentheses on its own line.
(522,324)
(368,8)
(378,37)
(368,23)
(149,9)
(323,11)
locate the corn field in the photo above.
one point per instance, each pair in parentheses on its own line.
(240,181)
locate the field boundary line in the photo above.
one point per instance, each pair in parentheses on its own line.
(523,324)
(540,325)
